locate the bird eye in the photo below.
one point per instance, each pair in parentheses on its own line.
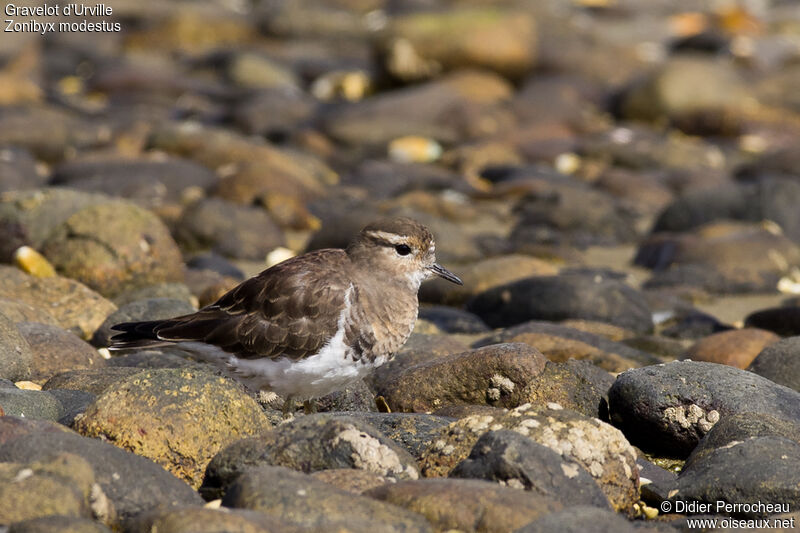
(402,249)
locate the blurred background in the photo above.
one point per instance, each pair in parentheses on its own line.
(654,141)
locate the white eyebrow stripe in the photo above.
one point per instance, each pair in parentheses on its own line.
(389,237)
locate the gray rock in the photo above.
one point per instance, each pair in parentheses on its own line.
(739,427)
(579,519)
(16,356)
(412,431)
(467,505)
(243,232)
(172,291)
(58,524)
(562,297)
(301,500)
(56,350)
(30,404)
(18,170)
(451,320)
(516,461)
(132,484)
(780,362)
(204,520)
(73,403)
(668,408)
(311,443)
(760,469)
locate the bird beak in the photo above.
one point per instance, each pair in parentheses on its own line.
(441,271)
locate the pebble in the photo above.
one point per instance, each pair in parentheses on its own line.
(778,362)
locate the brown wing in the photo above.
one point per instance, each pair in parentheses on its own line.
(291,309)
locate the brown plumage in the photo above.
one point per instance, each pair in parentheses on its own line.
(293,311)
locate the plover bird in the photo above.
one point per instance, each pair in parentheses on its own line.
(312,324)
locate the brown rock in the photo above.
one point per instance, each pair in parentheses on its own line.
(599,447)
(114,247)
(467,505)
(497,375)
(737,347)
(421,44)
(56,350)
(304,501)
(205,520)
(94,381)
(609,331)
(180,418)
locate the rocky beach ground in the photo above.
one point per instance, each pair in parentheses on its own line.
(616,182)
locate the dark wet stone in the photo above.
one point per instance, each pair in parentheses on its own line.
(784,321)
(18,170)
(598,447)
(561,343)
(58,485)
(114,247)
(766,198)
(566,211)
(16,355)
(132,484)
(56,350)
(562,297)
(761,469)
(74,306)
(301,500)
(240,231)
(148,183)
(692,324)
(149,309)
(73,403)
(497,375)
(780,362)
(467,504)
(180,418)
(516,461)
(58,524)
(656,482)
(668,408)
(91,381)
(658,345)
(203,520)
(412,431)
(311,443)
(579,519)
(451,320)
(739,427)
(736,347)
(30,404)
(720,257)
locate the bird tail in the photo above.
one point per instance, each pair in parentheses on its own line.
(137,335)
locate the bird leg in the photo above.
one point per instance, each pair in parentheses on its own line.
(288,407)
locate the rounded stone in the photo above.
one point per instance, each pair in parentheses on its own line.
(16,355)
(149,309)
(180,418)
(563,297)
(56,350)
(737,347)
(114,247)
(780,362)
